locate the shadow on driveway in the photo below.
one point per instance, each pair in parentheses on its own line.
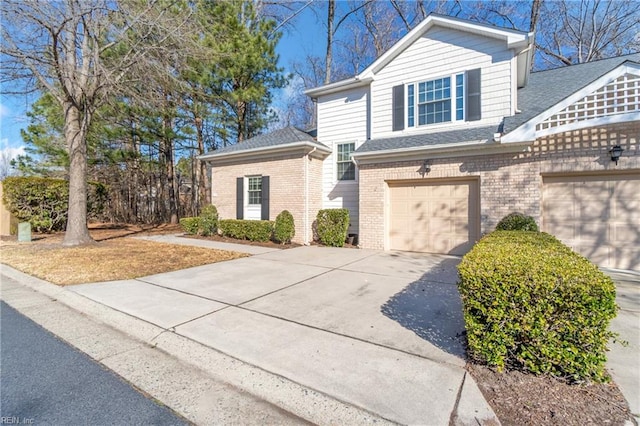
(431,307)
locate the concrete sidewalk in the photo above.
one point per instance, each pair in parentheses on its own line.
(196,242)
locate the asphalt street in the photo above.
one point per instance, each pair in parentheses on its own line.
(43,380)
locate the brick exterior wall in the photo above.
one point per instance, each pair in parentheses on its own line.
(508,182)
(287,187)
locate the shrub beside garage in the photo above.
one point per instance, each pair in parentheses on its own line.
(531,303)
(332,226)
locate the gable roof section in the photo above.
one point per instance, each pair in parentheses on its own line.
(289,138)
(517,40)
(554,88)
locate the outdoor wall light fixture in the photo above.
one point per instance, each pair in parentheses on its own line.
(425,168)
(616,152)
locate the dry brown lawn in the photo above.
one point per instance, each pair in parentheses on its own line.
(113,257)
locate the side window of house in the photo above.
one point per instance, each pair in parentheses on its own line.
(252,197)
(346,168)
(254,190)
(450,98)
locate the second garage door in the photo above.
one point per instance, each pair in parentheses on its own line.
(598,216)
(434,216)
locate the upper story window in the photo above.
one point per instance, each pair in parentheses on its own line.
(254,190)
(447,99)
(435,101)
(346,168)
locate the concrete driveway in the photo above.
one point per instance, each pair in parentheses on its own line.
(381,331)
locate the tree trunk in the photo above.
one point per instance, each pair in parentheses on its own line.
(331,10)
(200,181)
(533,24)
(241,106)
(75,133)
(170,170)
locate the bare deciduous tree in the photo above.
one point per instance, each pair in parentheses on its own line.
(79,51)
(587,30)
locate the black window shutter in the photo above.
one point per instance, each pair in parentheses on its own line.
(265,198)
(398,108)
(240,198)
(472,101)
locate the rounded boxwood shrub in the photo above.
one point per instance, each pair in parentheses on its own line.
(517,222)
(332,226)
(208,220)
(530,303)
(284,229)
(252,230)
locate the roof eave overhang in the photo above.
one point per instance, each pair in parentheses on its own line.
(458,149)
(338,86)
(527,130)
(516,40)
(524,57)
(302,147)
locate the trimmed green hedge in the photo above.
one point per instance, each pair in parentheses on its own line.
(43,202)
(206,224)
(531,303)
(284,229)
(332,226)
(252,230)
(191,225)
(517,222)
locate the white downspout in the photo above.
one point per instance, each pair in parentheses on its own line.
(306,223)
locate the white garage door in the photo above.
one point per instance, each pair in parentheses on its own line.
(596,215)
(434,216)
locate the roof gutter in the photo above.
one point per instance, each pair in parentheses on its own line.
(265,149)
(459,149)
(338,86)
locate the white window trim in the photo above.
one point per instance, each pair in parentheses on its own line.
(246,204)
(356,144)
(453,98)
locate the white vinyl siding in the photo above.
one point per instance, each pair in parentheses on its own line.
(443,52)
(339,194)
(342,118)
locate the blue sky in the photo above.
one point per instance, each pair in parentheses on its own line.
(304,36)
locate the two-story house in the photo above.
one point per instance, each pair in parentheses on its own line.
(446,133)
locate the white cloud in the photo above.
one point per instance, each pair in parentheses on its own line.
(10,152)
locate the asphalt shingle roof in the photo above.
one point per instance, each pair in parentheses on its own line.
(279,137)
(429,139)
(547,88)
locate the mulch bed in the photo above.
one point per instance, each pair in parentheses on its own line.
(269,244)
(525,399)
(220,238)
